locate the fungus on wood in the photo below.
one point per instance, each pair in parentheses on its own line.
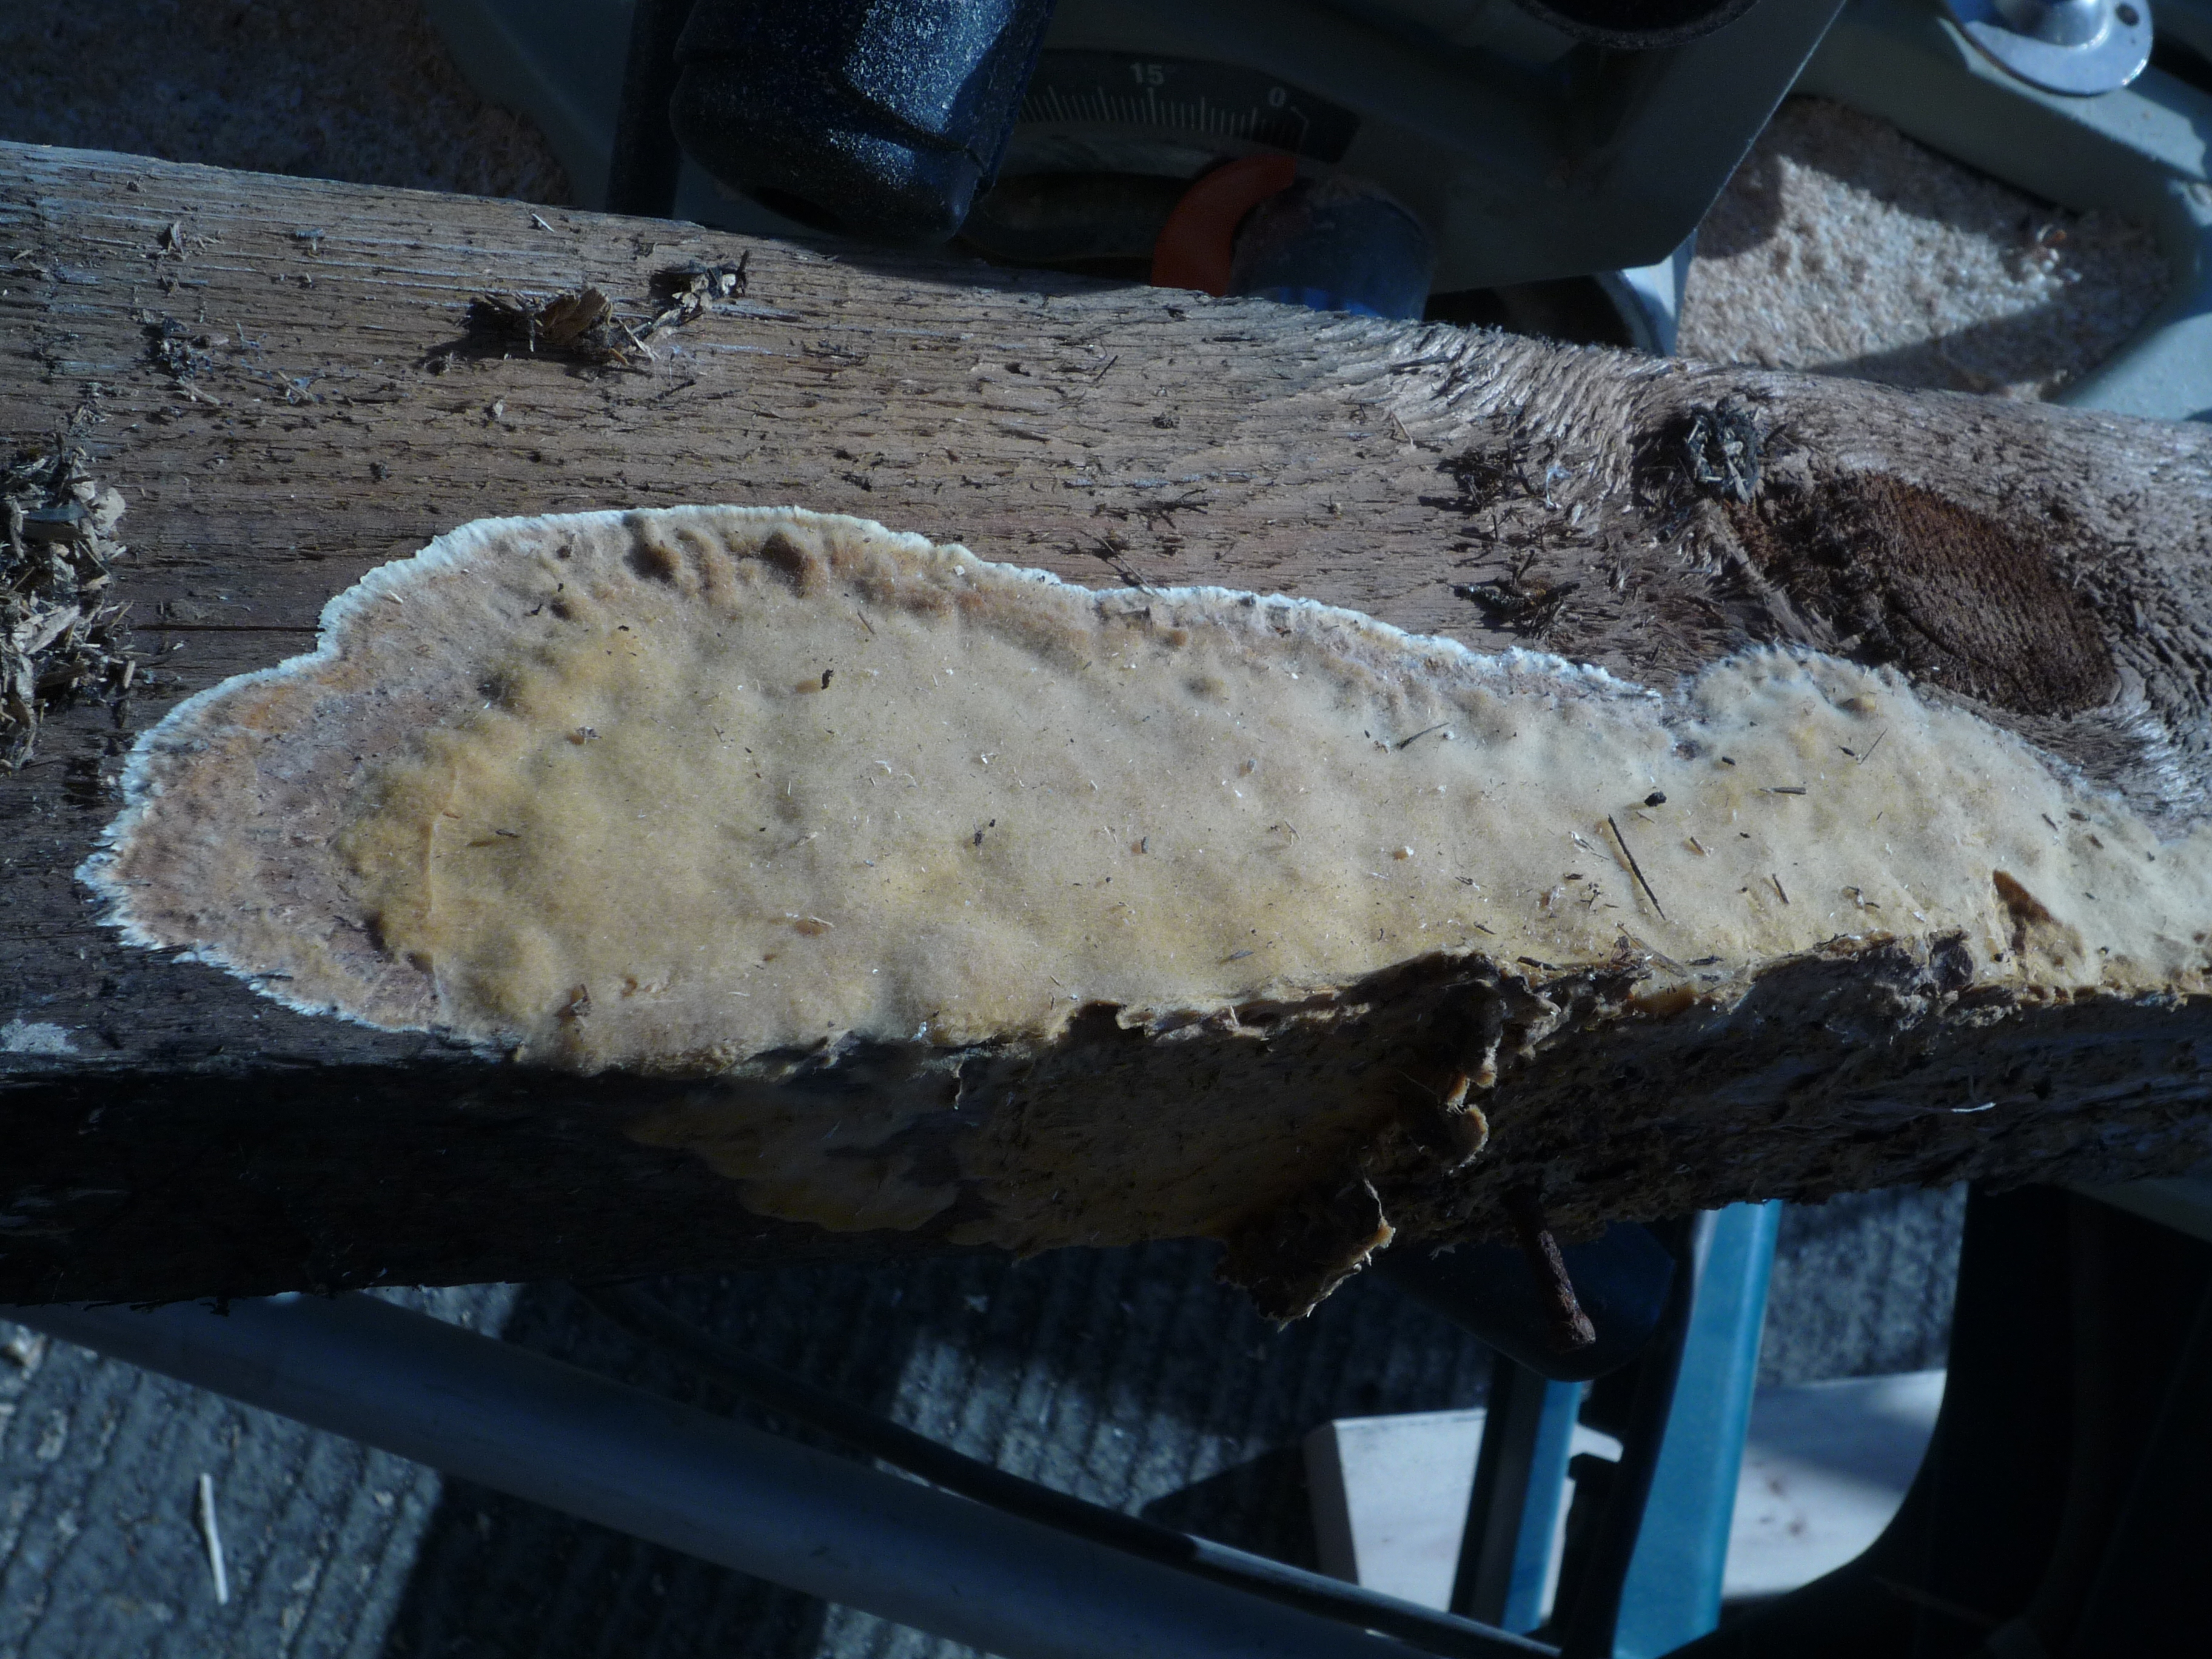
(1846,831)
(692,793)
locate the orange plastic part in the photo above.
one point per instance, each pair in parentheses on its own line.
(1196,244)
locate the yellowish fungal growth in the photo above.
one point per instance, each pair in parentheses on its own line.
(1127,914)
(669,790)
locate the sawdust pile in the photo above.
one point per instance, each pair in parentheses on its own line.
(1843,248)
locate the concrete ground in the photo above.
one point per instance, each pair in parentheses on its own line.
(1126,1375)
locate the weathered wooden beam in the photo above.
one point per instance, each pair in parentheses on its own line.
(280,378)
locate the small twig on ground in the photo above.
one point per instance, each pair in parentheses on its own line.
(212,1534)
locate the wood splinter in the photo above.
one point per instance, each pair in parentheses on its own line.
(1570,1327)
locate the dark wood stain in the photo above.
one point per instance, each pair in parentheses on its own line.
(1902,575)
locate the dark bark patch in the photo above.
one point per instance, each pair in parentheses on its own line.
(1904,576)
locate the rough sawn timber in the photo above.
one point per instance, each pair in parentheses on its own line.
(171,1132)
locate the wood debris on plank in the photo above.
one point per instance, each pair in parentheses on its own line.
(1722,450)
(580,324)
(686,291)
(60,638)
(1515,601)
(584,325)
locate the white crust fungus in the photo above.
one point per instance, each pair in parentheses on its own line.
(672,790)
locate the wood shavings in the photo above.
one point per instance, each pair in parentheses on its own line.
(579,324)
(178,350)
(59,638)
(1722,451)
(584,325)
(685,291)
(1515,601)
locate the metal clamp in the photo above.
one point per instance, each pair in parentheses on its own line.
(2080,47)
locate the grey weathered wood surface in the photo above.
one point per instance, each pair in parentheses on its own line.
(172,1132)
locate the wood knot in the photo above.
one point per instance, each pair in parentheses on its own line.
(1899,574)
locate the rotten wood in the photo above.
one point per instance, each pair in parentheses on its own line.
(280,378)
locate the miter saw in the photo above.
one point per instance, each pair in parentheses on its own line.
(1537,164)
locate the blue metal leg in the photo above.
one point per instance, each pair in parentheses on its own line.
(1673,1593)
(1520,1477)
(1540,1515)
